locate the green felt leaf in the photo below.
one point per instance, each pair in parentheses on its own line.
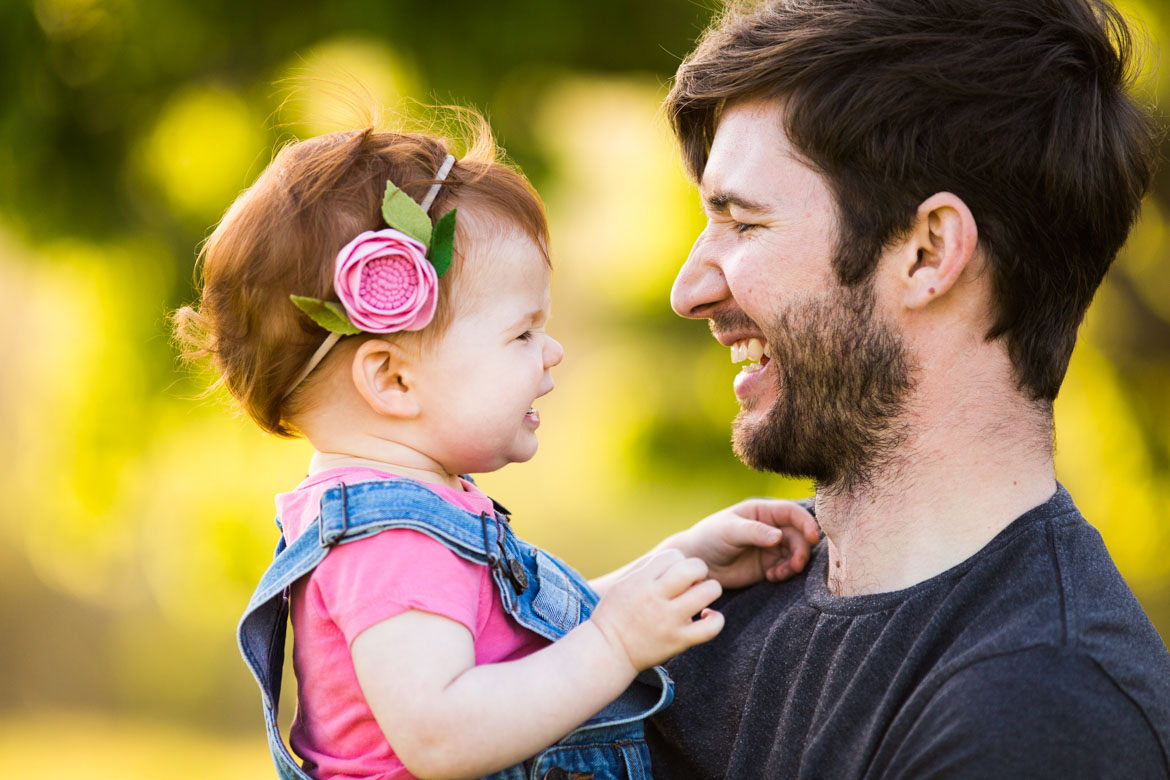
(329,315)
(402,213)
(443,243)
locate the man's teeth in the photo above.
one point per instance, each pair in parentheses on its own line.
(750,349)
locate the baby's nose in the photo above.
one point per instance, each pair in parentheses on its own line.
(553,352)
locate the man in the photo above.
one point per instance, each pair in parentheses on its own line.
(910,205)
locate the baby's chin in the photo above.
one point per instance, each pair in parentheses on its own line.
(496,461)
(524,455)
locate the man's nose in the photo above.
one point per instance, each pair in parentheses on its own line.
(700,283)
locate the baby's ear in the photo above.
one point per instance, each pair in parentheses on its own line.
(383,373)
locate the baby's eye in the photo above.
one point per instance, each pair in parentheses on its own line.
(526,336)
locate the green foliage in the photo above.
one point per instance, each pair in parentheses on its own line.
(127,127)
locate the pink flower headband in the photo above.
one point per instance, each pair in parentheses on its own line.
(387,280)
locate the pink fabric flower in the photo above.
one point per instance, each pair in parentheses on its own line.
(385,282)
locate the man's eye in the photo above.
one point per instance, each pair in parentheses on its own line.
(742,227)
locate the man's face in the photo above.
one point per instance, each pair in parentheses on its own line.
(825,398)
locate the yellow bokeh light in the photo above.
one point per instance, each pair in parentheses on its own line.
(210,510)
(343,83)
(624,215)
(139,517)
(81,312)
(1111,477)
(203,150)
(107,747)
(1144,260)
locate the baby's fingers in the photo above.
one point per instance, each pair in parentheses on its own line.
(680,576)
(782,571)
(654,564)
(792,559)
(697,597)
(808,523)
(781,513)
(706,628)
(742,532)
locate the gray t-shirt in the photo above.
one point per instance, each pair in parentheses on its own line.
(1032,658)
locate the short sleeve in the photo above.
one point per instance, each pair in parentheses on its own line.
(1045,712)
(365,582)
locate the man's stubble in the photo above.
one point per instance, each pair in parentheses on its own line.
(842,378)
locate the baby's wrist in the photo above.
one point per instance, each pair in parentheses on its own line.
(681,541)
(614,655)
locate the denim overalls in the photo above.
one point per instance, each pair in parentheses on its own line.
(539,591)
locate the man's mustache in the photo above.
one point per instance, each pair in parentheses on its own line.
(730,321)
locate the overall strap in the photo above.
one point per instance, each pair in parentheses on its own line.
(261,636)
(348,513)
(352,512)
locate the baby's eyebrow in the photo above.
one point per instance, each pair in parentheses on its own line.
(721,200)
(531,318)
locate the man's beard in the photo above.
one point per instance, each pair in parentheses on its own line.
(842,378)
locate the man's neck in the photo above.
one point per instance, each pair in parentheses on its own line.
(954,486)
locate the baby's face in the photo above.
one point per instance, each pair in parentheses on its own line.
(484,375)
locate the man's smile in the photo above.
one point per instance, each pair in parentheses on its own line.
(753,349)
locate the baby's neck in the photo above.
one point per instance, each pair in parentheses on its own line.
(323,461)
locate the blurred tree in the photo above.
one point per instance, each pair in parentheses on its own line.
(136,520)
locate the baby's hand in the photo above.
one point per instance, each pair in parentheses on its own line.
(647,614)
(760,538)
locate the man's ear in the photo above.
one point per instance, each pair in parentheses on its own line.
(942,242)
(384,377)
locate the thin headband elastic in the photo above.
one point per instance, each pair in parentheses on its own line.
(334,337)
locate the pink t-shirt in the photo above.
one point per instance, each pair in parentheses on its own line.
(363,583)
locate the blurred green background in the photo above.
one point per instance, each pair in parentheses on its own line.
(136,518)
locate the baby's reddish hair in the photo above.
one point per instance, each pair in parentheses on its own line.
(282,235)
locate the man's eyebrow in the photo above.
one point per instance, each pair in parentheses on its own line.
(722,200)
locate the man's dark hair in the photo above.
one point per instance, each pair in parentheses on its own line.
(1019,107)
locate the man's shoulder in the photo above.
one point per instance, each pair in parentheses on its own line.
(1053,641)
(1047,584)
(1047,578)
(1054,582)
(1043,711)
(1097,602)
(1105,623)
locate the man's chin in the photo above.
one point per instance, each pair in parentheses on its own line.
(748,430)
(756,442)
(833,413)
(764,443)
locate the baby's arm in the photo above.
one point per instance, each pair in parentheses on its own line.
(756,539)
(447,718)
